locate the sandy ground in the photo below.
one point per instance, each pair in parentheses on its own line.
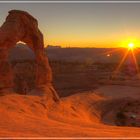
(79,115)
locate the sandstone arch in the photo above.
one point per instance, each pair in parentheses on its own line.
(21,26)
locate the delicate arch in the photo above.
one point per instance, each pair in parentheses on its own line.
(21,26)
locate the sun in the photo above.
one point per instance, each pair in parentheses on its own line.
(131,46)
(130,43)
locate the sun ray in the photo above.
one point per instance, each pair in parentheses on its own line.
(111,51)
(120,64)
(136,63)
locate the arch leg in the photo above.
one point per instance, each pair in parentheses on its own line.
(6,76)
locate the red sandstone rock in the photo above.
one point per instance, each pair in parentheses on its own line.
(21,26)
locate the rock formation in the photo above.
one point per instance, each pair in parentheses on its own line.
(21,26)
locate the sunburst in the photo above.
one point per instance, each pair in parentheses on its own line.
(129,51)
(131,46)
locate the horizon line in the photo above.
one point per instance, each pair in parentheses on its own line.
(91,47)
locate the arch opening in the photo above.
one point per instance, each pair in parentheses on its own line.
(22,60)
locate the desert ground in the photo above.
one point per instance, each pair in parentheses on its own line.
(87,114)
(91,104)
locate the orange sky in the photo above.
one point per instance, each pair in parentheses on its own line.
(83,25)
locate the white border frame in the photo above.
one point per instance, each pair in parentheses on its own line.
(60,2)
(68,1)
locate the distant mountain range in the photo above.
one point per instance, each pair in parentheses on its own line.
(21,52)
(88,55)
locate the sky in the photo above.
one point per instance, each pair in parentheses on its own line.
(83,24)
